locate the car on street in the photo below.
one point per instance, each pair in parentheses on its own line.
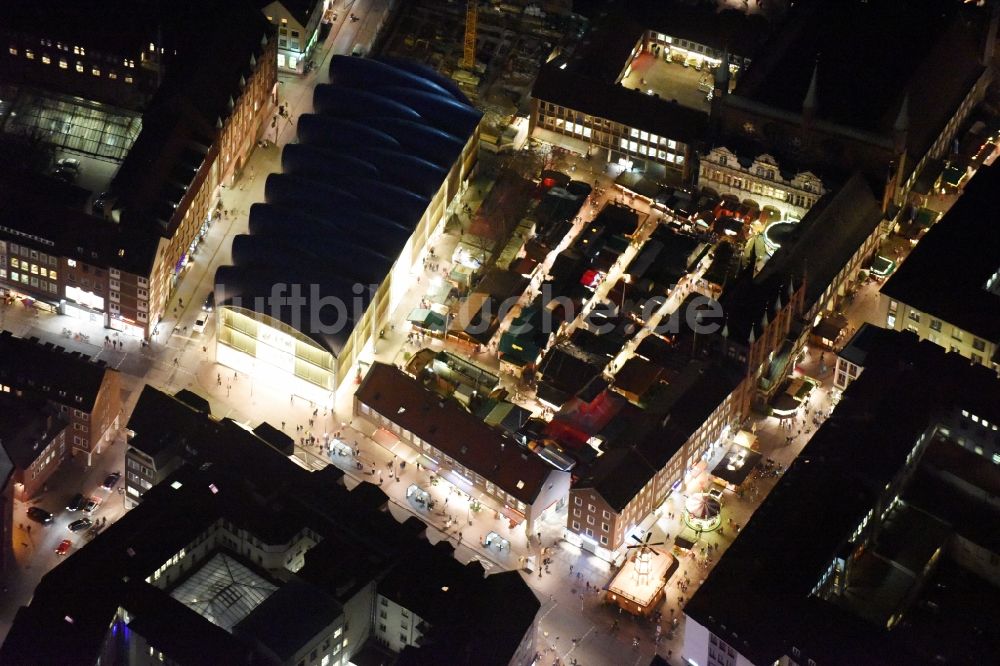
(111,480)
(39,515)
(80,525)
(64,547)
(91,505)
(199,325)
(209,303)
(76,503)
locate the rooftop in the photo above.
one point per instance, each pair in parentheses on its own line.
(290,617)
(55,223)
(68,378)
(27,427)
(646,447)
(455,432)
(827,237)
(953,272)
(868,56)
(233,477)
(189,109)
(352,190)
(223,591)
(762,605)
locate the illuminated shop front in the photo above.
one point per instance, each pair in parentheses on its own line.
(83,305)
(274,354)
(127,326)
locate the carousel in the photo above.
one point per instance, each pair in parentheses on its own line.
(702,512)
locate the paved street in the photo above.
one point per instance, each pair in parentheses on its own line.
(575,625)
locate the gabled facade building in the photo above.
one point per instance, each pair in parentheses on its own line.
(85,393)
(761,178)
(298,25)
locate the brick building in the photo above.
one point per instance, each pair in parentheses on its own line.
(192,120)
(85,393)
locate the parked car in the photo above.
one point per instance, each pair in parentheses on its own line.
(67,169)
(111,480)
(91,505)
(80,525)
(76,503)
(64,547)
(68,164)
(39,515)
(199,326)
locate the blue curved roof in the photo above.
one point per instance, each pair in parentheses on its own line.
(420,69)
(344,102)
(445,113)
(329,130)
(335,258)
(380,233)
(366,72)
(407,171)
(251,286)
(300,159)
(352,190)
(425,141)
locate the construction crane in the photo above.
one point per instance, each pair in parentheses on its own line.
(471,16)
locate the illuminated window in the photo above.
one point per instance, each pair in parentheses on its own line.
(128,79)
(112,75)
(71,263)
(12,51)
(79,66)
(63,64)
(47,60)
(95,71)
(30,55)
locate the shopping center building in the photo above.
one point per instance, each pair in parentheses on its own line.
(345,224)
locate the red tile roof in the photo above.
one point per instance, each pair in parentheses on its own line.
(446,425)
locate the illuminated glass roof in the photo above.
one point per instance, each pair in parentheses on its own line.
(223,591)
